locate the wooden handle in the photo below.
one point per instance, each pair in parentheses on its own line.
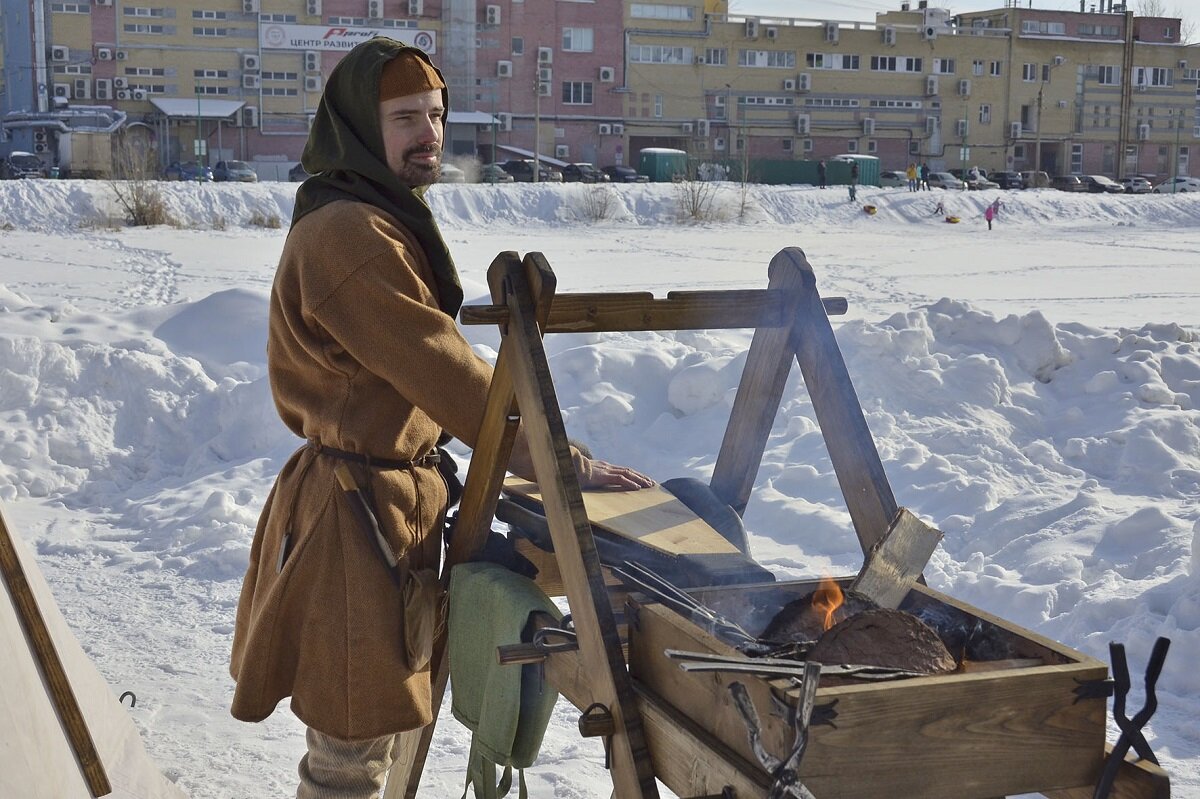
(51,667)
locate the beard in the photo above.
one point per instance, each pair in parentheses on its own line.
(414,174)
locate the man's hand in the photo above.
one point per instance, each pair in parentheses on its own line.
(601,474)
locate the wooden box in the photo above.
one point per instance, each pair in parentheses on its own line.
(973,734)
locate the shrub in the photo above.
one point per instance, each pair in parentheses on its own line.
(597,202)
(263,219)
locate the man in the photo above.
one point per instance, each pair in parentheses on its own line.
(821,173)
(367,364)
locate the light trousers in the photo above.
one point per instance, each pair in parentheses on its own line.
(337,769)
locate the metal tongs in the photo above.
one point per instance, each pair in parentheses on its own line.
(639,578)
(779,667)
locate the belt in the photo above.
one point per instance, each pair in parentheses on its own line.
(428,459)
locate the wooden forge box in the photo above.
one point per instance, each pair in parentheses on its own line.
(1020,724)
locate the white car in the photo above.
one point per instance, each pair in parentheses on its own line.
(1136,185)
(1177,185)
(452,174)
(945,180)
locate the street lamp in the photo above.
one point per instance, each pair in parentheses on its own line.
(199,148)
(1037,151)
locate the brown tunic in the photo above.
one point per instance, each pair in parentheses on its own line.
(361,359)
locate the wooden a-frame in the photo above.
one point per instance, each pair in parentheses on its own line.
(791,321)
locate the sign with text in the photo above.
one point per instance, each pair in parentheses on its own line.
(339,37)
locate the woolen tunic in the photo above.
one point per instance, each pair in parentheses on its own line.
(362,359)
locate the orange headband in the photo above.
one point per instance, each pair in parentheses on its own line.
(406,74)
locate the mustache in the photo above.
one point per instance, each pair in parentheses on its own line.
(422,149)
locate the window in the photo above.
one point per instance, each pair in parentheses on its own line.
(279,91)
(995,69)
(1182,165)
(1110,31)
(852,145)
(830,102)
(577,92)
(772,59)
(659,54)
(70,8)
(831,61)
(658,106)
(1029,73)
(895,104)
(977,67)
(518,45)
(718,56)
(1076,158)
(287,76)
(209,15)
(654,11)
(753,99)
(143,28)
(1109,75)
(209,31)
(141,11)
(943,66)
(1049,28)
(1160,76)
(892,63)
(210,73)
(1019,152)
(786,144)
(872,146)
(985,114)
(577,40)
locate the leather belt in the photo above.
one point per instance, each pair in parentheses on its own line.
(428,459)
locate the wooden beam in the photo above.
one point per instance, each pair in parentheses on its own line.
(1139,779)
(50,665)
(897,560)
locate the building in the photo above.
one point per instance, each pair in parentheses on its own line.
(1097,90)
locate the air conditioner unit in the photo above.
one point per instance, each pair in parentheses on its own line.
(1183,63)
(889,35)
(39,135)
(249,81)
(544,89)
(314,8)
(416,8)
(831,32)
(122,95)
(562,151)
(931,125)
(41,147)
(608,74)
(1143,130)
(929,32)
(374,9)
(962,128)
(83,88)
(312,60)
(104,54)
(250,62)
(312,83)
(250,6)
(503,69)
(719,143)
(1059,60)
(505,120)
(102,2)
(701,127)
(964,87)
(62,90)
(789,84)
(751,28)
(493,15)
(60,53)
(772,32)
(545,74)
(803,124)
(618,129)
(719,101)
(1062,103)
(868,126)
(1014,130)
(137,94)
(122,55)
(103,89)
(931,85)
(686,127)
(605,129)
(545,55)
(803,82)
(249,116)
(121,83)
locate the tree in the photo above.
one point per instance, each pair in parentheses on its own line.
(1158,8)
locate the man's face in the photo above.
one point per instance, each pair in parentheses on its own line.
(412,136)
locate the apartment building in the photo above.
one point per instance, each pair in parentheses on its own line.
(1018,88)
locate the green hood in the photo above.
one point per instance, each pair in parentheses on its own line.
(345,155)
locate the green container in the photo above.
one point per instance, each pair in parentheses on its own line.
(662,164)
(839,169)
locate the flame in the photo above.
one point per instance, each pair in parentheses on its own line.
(827,599)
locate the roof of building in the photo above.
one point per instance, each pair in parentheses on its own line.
(184,108)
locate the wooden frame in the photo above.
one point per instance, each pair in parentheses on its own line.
(649,736)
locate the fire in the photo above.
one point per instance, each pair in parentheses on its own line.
(827,599)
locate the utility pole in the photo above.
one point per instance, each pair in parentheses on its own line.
(1049,72)
(537,119)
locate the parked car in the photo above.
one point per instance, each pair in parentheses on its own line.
(624,174)
(494,173)
(583,173)
(1007,179)
(893,178)
(234,170)
(944,180)
(452,174)
(522,171)
(1035,179)
(1067,183)
(1136,185)
(21,165)
(1177,185)
(976,184)
(298,172)
(1100,184)
(188,170)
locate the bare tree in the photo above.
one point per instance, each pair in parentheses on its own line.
(135,185)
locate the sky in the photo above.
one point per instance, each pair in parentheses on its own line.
(865,10)
(1033,390)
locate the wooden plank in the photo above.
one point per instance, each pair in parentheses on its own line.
(50,665)
(651,516)
(759,392)
(1136,780)
(851,448)
(895,563)
(681,310)
(599,642)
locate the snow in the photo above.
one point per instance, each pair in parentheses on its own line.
(1033,392)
